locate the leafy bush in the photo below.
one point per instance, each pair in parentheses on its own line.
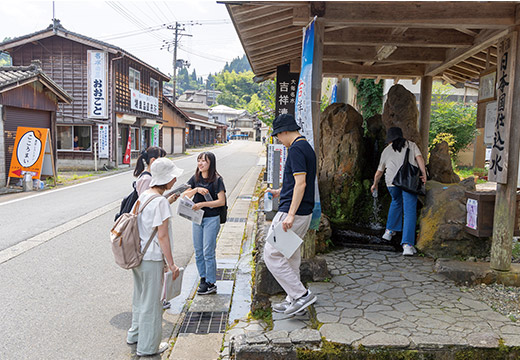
(369,97)
(452,117)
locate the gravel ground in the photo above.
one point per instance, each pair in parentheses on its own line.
(503,299)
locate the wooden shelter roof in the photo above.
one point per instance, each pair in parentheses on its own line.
(454,41)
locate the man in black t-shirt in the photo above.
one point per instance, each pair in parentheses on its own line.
(294,212)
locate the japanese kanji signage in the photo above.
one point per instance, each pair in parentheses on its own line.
(97,95)
(270,161)
(32,153)
(103,141)
(505,76)
(286,84)
(155,135)
(145,103)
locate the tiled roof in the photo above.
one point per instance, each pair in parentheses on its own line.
(191,105)
(61,31)
(14,76)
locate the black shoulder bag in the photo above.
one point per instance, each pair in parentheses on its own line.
(408,178)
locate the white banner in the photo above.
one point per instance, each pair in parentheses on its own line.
(97,96)
(145,103)
(103,141)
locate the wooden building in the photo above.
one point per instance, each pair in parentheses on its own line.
(174,128)
(110,87)
(29,98)
(418,40)
(200,131)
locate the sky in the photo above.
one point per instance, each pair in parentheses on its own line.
(138,27)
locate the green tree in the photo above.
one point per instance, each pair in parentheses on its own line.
(236,88)
(452,117)
(238,64)
(369,97)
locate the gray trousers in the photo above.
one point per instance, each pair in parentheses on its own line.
(287,270)
(147,308)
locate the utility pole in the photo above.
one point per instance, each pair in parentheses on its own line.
(179,28)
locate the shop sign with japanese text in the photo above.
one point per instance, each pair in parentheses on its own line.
(97,96)
(505,77)
(145,103)
(103,141)
(286,86)
(28,152)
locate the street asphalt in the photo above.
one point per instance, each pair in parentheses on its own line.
(64,297)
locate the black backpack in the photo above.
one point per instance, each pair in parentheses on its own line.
(223,209)
(128,201)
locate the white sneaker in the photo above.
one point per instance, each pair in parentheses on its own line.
(388,234)
(162,348)
(408,250)
(281,307)
(300,304)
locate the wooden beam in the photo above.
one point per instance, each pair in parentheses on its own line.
(274,54)
(446,38)
(430,14)
(482,41)
(279,26)
(377,80)
(334,68)
(241,10)
(264,21)
(271,38)
(505,211)
(467,31)
(416,80)
(457,77)
(270,63)
(469,68)
(259,12)
(295,65)
(368,53)
(275,46)
(425,105)
(476,62)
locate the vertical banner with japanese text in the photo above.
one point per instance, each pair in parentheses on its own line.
(505,77)
(103,141)
(155,135)
(286,83)
(97,95)
(304,108)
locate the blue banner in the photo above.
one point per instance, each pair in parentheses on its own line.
(304,108)
(334,92)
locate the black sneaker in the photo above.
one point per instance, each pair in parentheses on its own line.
(203,287)
(210,289)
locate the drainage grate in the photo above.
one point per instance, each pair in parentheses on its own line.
(236,219)
(206,322)
(225,274)
(245,197)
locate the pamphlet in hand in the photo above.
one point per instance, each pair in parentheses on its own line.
(286,242)
(178,190)
(185,210)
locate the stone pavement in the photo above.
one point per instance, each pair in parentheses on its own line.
(233,254)
(379,300)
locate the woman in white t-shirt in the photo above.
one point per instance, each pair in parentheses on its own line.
(403,202)
(147,309)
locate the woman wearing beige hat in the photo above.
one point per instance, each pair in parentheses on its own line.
(147,309)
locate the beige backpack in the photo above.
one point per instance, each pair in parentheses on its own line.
(124,236)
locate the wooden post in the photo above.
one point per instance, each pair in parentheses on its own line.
(505,203)
(425,113)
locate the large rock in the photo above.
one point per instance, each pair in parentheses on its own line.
(439,167)
(401,110)
(340,160)
(442,222)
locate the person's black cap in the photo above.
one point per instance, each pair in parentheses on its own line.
(284,122)
(393,133)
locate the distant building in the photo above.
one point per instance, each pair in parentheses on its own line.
(173,131)
(194,107)
(29,98)
(110,87)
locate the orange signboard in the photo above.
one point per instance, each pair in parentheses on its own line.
(29,151)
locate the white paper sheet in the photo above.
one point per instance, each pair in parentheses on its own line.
(185,210)
(286,242)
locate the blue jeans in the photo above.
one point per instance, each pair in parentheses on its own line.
(406,202)
(205,242)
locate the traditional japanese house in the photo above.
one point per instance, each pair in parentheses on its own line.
(28,97)
(174,128)
(117,96)
(200,130)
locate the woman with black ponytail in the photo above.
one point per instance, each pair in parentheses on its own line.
(403,208)
(142,167)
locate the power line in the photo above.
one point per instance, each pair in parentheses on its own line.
(168,7)
(205,56)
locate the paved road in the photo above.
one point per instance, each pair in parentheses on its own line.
(66,298)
